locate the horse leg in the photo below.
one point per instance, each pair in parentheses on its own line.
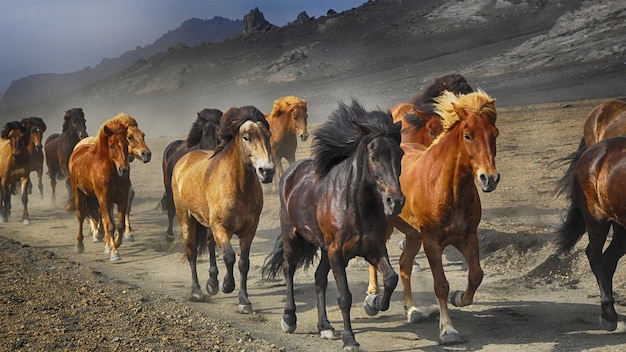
(5,206)
(374,302)
(79,202)
(122,211)
(597,236)
(128,235)
(25,185)
(212,284)
(97,231)
(245,242)
(326,330)
(222,238)
(289,320)
(344,299)
(188,229)
(447,332)
(39,181)
(475,272)
(109,228)
(372,287)
(53,184)
(171,212)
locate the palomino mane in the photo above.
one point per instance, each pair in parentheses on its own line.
(10,126)
(285,104)
(338,138)
(453,82)
(75,112)
(124,119)
(204,117)
(232,119)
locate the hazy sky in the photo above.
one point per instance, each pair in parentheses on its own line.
(41,36)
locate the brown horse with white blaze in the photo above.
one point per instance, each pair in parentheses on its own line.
(14,167)
(219,193)
(37,127)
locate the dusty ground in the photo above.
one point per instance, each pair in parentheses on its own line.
(529,300)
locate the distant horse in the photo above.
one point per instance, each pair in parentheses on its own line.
(288,123)
(605,121)
(443,205)
(420,122)
(137,148)
(59,146)
(596,195)
(14,167)
(218,193)
(99,179)
(202,135)
(37,127)
(339,201)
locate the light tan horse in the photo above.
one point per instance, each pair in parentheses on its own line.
(14,167)
(220,191)
(137,148)
(288,124)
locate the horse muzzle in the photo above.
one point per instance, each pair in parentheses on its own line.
(304,136)
(487,182)
(265,173)
(123,171)
(393,205)
(146,156)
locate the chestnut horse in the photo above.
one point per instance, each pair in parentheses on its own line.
(596,195)
(37,127)
(99,177)
(442,203)
(14,167)
(218,193)
(202,135)
(349,187)
(137,148)
(420,123)
(59,146)
(288,123)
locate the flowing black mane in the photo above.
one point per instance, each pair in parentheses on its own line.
(339,137)
(10,126)
(453,82)
(34,121)
(232,119)
(205,117)
(76,113)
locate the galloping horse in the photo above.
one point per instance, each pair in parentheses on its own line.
(420,122)
(596,195)
(218,193)
(99,179)
(137,148)
(14,167)
(442,203)
(37,127)
(202,135)
(288,123)
(58,147)
(350,186)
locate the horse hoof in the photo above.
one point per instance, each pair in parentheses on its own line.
(351,348)
(107,250)
(607,324)
(245,308)
(169,238)
(197,297)
(413,315)
(78,249)
(129,238)
(327,334)
(449,338)
(287,328)
(368,305)
(114,257)
(227,289)
(402,244)
(26,222)
(456,298)
(96,239)
(212,290)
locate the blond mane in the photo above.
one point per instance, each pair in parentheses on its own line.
(122,118)
(285,104)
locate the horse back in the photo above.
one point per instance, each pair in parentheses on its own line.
(605,121)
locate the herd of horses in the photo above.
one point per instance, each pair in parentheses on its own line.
(417,168)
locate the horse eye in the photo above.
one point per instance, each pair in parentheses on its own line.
(246,137)
(467,137)
(131,138)
(432,133)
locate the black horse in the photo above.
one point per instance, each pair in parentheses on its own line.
(339,201)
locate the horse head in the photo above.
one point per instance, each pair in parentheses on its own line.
(117,147)
(299,117)
(75,124)
(255,138)
(37,127)
(137,147)
(18,136)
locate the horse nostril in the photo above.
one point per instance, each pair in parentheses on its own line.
(498,178)
(483,179)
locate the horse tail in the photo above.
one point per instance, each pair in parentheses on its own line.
(167,202)
(69,205)
(202,239)
(564,184)
(92,209)
(572,228)
(304,252)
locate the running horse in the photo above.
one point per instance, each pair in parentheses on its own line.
(14,167)
(202,135)
(420,122)
(59,146)
(351,186)
(99,177)
(443,205)
(288,123)
(37,127)
(218,194)
(137,148)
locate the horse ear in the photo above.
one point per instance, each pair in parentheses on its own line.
(398,126)
(459,111)
(107,130)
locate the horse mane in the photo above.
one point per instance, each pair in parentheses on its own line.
(10,126)
(113,126)
(125,119)
(478,102)
(204,117)
(338,138)
(285,104)
(415,120)
(75,112)
(232,119)
(453,82)
(35,121)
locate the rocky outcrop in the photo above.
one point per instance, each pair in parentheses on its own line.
(255,22)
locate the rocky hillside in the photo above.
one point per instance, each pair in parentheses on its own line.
(383,52)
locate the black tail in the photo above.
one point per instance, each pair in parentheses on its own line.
(573,226)
(305,253)
(167,202)
(565,183)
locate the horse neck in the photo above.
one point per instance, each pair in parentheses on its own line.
(233,159)
(71,136)
(449,161)
(100,147)
(359,185)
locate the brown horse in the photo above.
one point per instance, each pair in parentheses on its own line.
(443,205)
(202,135)
(59,146)
(14,167)
(37,127)
(288,123)
(99,177)
(137,148)
(219,193)
(596,195)
(420,122)
(339,201)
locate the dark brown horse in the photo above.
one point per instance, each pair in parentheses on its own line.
(288,124)
(202,135)
(442,202)
(14,167)
(37,127)
(99,177)
(596,195)
(339,201)
(59,146)
(219,193)
(420,122)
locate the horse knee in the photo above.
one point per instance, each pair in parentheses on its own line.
(344,301)
(229,258)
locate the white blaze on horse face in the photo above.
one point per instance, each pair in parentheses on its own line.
(256,142)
